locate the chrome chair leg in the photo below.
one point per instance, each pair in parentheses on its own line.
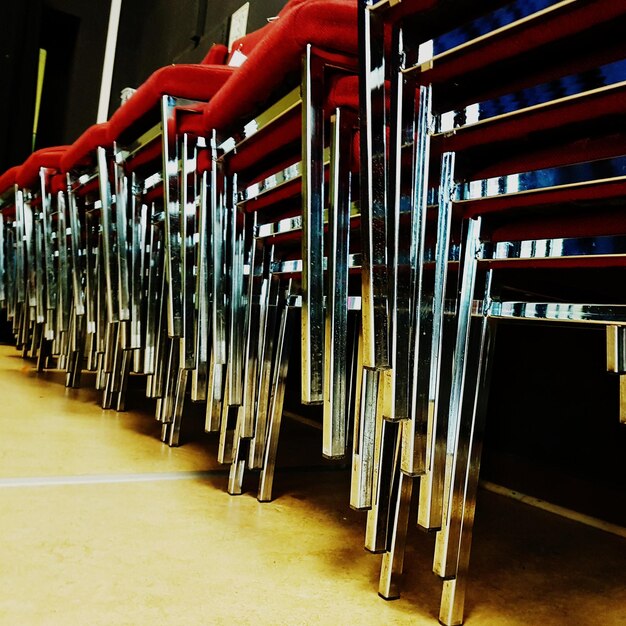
(312,318)
(393,559)
(465,468)
(364,444)
(172,206)
(277,397)
(201,370)
(447,538)
(228,423)
(335,384)
(386,439)
(215,397)
(375,287)
(179,407)
(266,363)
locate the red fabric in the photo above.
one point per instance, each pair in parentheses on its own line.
(343,92)
(244,45)
(8,212)
(151,153)
(326,24)
(559,263)
(563,23)
(286,130)
(588,149)
(193,82)
(561,220)
(189,120)
(80,153)
(216,55)
(91,187)
(287,190)
(58,183)
(580,193)
(205,162)
(247,43)
(154,194)
(46,157)
(548,117)
(7,179)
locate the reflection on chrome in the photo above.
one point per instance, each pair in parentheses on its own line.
(610,75)
(590,172)
(504,17)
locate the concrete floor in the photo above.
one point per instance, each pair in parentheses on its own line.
(102,524)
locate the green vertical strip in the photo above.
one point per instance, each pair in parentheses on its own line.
(40,74)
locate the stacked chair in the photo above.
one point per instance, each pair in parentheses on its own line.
(500,141)
(398,174)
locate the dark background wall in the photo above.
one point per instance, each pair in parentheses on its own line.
(73,32)
(18,75)
(154,33)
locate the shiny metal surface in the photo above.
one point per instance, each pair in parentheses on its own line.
(312,315)
(504,22)
(597,172)
(200,374)
(336,381)
(365,425)
(601,80)
(373,197)
(277,397)
(421,388)
(288,103)
(109,249)
(173,211)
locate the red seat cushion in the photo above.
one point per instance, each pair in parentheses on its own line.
(327,24)
(7,179)
(561,23)
(151,154)
(192,82)
(46,157)
(80,153)
(216,55)
(244,45)
(533,122)
(58,183)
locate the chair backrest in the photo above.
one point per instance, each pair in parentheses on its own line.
(46,157)
(216,55)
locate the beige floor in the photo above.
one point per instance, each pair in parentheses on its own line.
(102,524)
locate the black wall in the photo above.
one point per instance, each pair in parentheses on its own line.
(74,33)
(75,57)
(154,33)
(18,76)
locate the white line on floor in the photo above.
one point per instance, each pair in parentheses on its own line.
(575,516)
(94,479)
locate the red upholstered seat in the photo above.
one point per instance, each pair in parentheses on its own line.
(151,153)
(193,82)
(81,151)
(216,55)
(46,157)
(327,24)
(597,105)
(58,183)
(561,23)
(244,45)
(7,179)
